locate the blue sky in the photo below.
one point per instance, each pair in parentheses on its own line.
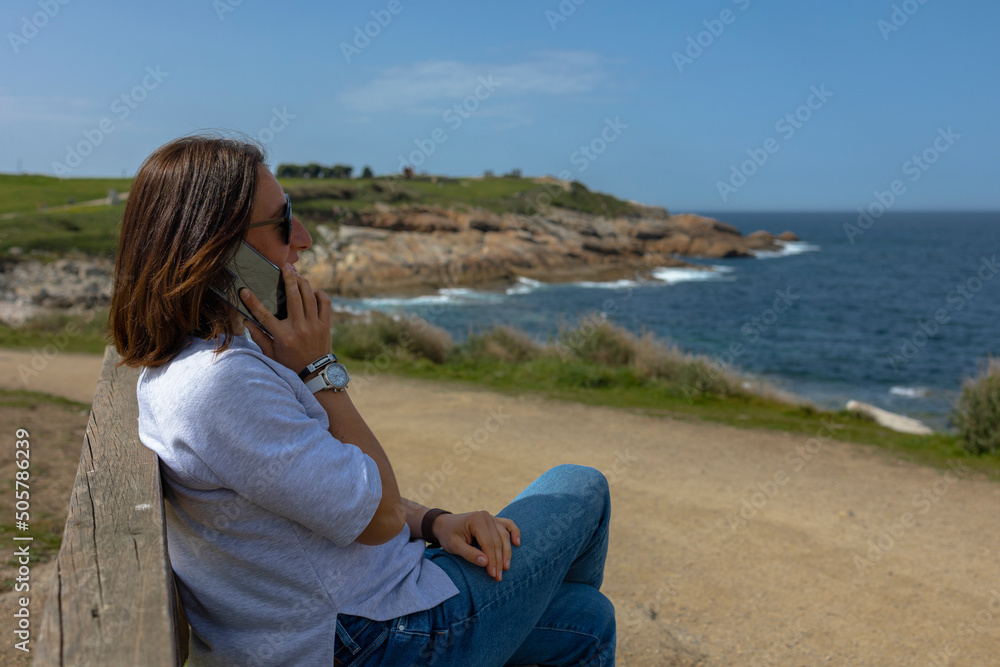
(684,105)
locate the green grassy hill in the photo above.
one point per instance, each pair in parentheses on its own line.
(501,195)
(34,215)
(26,192)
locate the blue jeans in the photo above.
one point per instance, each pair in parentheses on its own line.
(547,610)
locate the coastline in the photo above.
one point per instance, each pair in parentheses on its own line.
(418,250)
(414,249)
(836,318)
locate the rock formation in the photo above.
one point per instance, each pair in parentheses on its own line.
(71,284)
(421,248)
(889,420)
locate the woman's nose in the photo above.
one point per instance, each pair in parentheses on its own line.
(301,238)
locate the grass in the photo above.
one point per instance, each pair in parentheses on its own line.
(65,333)
(17,398)
(26,192)
(508,361)
(47,532)
(596,385)
(46,527)
(496,194)
(633,373)
(94,229)
(977,413)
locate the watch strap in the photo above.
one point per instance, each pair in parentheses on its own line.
(427,525)
(325,360)
(321,381)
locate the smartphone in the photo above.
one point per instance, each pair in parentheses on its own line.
(252,270)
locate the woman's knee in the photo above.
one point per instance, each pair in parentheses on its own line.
(591,484)
(590,480)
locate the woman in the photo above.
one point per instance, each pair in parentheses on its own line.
(286,531)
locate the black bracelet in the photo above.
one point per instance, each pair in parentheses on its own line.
(427,524)
(322,362)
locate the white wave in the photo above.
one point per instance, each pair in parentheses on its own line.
(673,275)
(399,302)
(348,308)
(614,284)
(524,286)
(453,296)
(910,392)
(788,248)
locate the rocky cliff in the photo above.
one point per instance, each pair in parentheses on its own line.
(421,248)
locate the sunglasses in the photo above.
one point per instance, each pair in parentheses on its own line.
(285,220)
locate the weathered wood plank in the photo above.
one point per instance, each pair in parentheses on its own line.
(113,600)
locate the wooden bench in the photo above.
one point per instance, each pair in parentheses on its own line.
(114,601)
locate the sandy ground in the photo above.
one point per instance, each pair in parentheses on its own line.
(728,547)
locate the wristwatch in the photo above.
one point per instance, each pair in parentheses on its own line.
(333,376)
(319,363)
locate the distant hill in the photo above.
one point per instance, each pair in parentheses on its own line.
(27,192)
(44,213)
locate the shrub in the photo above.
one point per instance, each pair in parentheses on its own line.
(504,344)
(977,412)
(598,341)
(657,360)
(378,334)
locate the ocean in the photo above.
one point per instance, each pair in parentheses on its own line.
(896,311)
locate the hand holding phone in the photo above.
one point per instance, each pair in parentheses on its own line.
(249,269)
(304,335)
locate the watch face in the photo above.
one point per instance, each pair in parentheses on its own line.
(337,375)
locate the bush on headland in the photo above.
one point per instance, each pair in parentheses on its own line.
(977,412)
(595,353)
(504,344)
(376,336)
(595,340)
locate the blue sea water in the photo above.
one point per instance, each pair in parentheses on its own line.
(897,315)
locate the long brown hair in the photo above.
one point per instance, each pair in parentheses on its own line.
(187,212)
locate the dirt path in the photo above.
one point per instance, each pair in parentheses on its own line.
(728,547)
(103,201)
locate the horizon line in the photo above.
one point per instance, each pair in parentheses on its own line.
(679,209)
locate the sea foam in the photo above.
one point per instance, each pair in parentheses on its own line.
(673,275)
(452,296)
(612,284)
(788,248)
(910,392)
(524,286)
